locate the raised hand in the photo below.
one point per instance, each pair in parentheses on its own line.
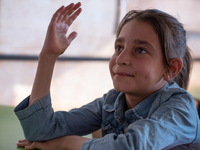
(56,41)
(55,44)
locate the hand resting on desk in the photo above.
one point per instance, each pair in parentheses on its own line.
(62,143)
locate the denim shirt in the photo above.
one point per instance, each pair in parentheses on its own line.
(167,119)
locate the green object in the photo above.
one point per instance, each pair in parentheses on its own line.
(10,129)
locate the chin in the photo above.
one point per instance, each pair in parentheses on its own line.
(121,89)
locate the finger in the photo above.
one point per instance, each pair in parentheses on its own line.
(71,37)
(71,19)
(22,140)
(74,16)
(57,13)
(22,143)
(75,10)
(34,145)
(64,11)
(76,6)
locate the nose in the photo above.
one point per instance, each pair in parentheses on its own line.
(123,58)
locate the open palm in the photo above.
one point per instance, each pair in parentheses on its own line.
(56,40)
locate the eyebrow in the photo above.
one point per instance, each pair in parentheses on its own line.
(119,40)
(137,42)
(142,42)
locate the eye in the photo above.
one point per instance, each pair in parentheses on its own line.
(118,48)
(141,50)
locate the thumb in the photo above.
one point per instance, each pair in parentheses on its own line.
(72,36)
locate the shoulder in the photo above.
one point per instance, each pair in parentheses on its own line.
(175,108)
(173,100)
(174,94)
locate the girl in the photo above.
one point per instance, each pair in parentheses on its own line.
(149,109)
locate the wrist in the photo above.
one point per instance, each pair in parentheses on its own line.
(47,56)
(33,101)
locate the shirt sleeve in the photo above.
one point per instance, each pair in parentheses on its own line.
(41,123)
(173,123)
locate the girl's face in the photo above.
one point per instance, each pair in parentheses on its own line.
(137,66)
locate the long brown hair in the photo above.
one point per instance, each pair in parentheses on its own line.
(172,38)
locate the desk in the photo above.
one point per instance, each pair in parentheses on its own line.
(10,129)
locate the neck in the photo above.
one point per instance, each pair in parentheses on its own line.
(133,99)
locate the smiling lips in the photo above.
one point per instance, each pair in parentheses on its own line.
(123,74)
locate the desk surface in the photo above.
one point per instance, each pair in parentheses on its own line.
(10,129)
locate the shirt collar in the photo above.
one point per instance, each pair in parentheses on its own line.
(139,111)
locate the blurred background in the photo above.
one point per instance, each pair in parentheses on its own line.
(23,25)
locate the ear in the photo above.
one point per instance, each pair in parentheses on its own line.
(176,65)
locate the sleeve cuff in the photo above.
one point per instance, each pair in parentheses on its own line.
(23,111)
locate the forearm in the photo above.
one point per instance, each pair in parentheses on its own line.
(55,44)
(62,143)
(42,82)
(73,142)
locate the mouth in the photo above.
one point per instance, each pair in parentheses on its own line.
(123,74)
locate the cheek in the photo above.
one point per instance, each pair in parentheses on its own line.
(144,69)
(142,66)
(152,71)
(111,64)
